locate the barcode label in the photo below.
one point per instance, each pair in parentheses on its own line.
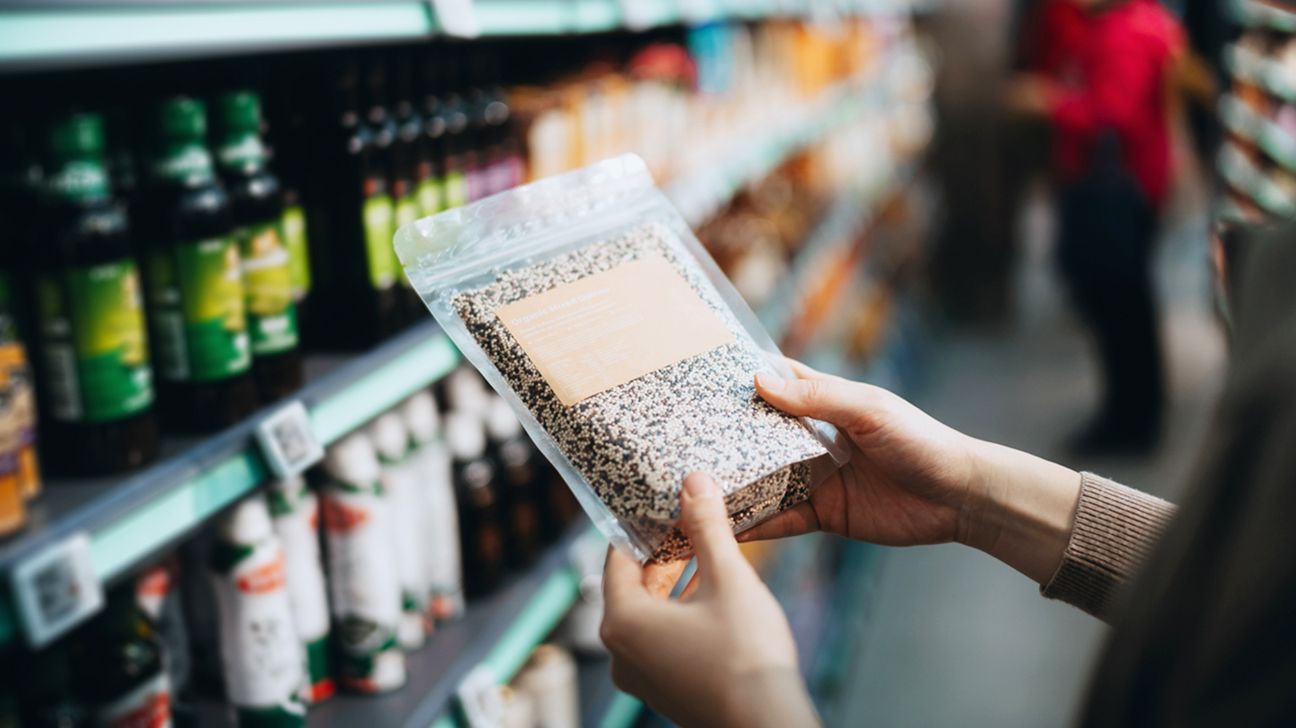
(57,589)
(288,441)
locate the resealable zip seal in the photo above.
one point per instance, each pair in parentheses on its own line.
(466,248)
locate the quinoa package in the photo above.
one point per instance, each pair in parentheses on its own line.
(591,308)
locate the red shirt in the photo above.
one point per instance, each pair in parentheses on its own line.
(1122,65)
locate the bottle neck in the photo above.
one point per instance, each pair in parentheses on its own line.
(184,161)
(242,152)
(78,179)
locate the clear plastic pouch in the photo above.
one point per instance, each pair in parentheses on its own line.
(589,305)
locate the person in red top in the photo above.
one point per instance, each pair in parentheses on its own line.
(1107,99)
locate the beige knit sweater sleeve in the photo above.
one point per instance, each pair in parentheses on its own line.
(1113,531)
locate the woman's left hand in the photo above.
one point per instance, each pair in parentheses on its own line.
(721,656)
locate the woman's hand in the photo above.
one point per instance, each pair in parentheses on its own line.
(723,655)
(912,480)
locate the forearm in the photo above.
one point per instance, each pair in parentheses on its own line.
(1020,509)
(773,698)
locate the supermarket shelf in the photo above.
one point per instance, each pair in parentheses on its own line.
(700,193)
(1245,177)
(1263,14)
(499,631)
(58,35)
(602,705)
(848,216)
(1243,122)
(132,517)
(94,35)
(1257,70)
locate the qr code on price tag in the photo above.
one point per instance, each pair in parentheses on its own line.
(288,441)
(56,589)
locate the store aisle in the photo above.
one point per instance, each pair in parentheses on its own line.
(958,639)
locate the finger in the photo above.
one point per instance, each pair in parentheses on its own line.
(830,399)
(622,579)
(792,522)
(660,579)
(705,520)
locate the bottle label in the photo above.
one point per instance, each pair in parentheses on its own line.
(456,189)
(364,586)
(147,706)
(294,234)
(407,211)
(441,531)
(267,283)
(263,658)
(296,522)
(96,352)
(430,200)
(200,327)
(379,214)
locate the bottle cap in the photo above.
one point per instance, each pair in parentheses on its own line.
(389,436)
(501,423)
(239,111)
(352,459)
(465,392)
(247,523)
(77,136)
(183,119)
(421,417)
(464,435)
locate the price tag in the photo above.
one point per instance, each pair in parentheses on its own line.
(288,441)
(457,18)
(479,696)
(56,589)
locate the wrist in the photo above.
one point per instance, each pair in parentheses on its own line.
(1019,509)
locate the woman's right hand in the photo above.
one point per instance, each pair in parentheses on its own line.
(912,480)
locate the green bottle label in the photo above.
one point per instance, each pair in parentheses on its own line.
(378,217)
(200,328)
(455,193)
(288,715)
(294,233)
(96,351)
(407,211)
(267,284)
(430,196)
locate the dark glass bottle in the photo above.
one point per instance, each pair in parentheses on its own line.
(256,204)
(481,521)
(404,170)
(455,150)
(50,695)
(429,177)
(517,464)
(194,281)
(350,218)
(129,685)
(96,385)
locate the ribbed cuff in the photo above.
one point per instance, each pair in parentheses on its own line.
(1113,531)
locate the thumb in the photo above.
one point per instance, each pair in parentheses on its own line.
(704,519)
(833,400)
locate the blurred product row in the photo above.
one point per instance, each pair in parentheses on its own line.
(319,583)
(169,259)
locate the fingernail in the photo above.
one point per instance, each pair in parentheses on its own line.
(769,382)
(698,485)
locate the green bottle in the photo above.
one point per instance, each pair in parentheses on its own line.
(194,278)
(257,209)
(92,350)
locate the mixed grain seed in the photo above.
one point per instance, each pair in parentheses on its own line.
(634,443)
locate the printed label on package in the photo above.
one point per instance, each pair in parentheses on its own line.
(606,329)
